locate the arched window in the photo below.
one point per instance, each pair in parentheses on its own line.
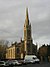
(18,50)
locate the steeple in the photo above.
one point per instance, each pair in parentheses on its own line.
(27,17)
(27,35)
(26,13)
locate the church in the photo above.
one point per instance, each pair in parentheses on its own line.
(24,47)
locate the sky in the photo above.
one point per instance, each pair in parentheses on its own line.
(12,19)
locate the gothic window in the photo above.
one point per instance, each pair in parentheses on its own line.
(28,48)
(18,50)
(28,34)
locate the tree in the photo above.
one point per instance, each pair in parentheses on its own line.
(3,46)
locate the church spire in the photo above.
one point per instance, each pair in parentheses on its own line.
(26,13)
(27,17)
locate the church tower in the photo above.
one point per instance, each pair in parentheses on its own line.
(27,35)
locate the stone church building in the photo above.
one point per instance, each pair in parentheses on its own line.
(24,47)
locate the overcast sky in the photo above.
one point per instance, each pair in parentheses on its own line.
(12,19)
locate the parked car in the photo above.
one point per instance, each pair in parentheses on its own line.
(12,63)
(36,60)
(2,63)
(31,59)
(15,62)
(8,62)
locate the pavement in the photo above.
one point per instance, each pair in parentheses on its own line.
(35,65)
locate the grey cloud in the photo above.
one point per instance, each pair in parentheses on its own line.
(12,18)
